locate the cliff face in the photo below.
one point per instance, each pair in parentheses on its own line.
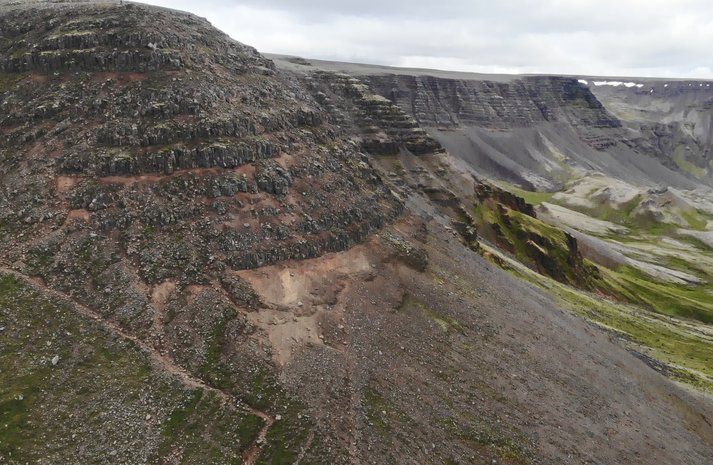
(524,102)
(542,131)
(673,118)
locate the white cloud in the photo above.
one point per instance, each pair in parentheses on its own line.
(607,37)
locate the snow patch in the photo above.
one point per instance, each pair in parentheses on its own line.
(617,84)
(582,81)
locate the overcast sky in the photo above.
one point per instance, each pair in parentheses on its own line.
(666,38)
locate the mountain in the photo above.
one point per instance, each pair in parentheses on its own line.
(208,255)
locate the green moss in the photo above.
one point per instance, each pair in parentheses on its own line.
(377,411)
(180,415)
(695,219)
(532,197)
(679,156)
(213,369)
(485,435)
(18,399)
(40,258)
(286,436)
(542,247)
(687,349)
(9,81)
(689,301)
(447,323)
(97,371)
(202,415)
(622,215)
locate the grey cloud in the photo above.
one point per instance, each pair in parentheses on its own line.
(601,37)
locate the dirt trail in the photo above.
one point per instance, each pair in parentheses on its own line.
(251,454)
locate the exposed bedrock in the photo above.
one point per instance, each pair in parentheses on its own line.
(149,130)
(523,102)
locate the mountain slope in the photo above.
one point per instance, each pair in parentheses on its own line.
(208,258)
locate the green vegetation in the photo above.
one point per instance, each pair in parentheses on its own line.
(100,386)
(446,323)
(486,436)
(685,346)
(689,301)
(622,215)
(627,283)
(286,436)
(8,81)
(213,369)
(679,157)
(695,219)
(532,197)
(203,415)
(377,411)
(543,247)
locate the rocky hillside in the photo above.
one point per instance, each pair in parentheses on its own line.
(158,139)
(145,157)
(207,256)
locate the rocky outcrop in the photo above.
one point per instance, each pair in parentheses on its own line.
(218,154)
(518,103)
(272,178)
(175,146)
(509,222)
(484,192)
(56,40)
(385,128)
(522,102)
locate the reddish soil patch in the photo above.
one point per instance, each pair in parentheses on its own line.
(39,78)
(80,214)
(65,183)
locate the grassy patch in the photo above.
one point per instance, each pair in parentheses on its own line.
(286,436)
(542,247)
(8,81)
(377,411)
(686,346)
(446,323)
(679,157)
(102,386)
(531,197)
(695,219)
(485,436)
(689,301)
(213,369)
(202,416)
